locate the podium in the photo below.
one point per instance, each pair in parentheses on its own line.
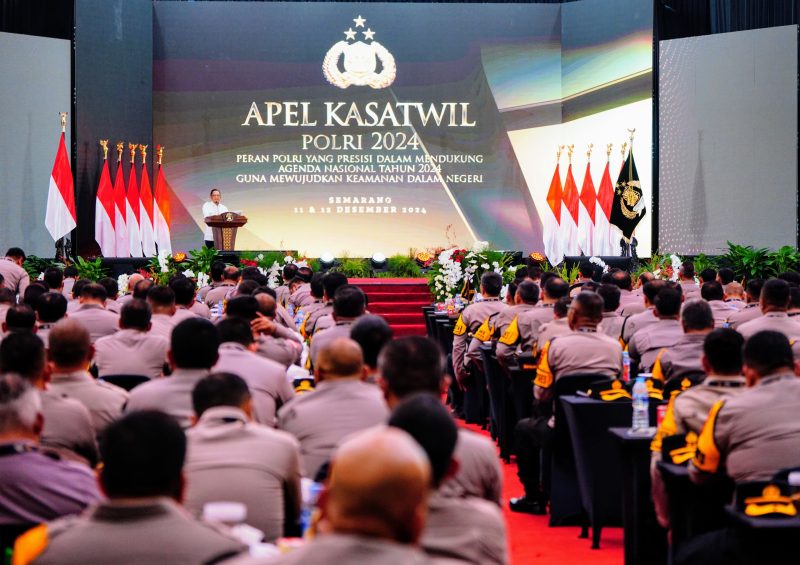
(224,227)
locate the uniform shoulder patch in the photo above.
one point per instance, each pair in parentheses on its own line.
(708,456)
(30,545)
(461,327)
(485,331)
(511,335)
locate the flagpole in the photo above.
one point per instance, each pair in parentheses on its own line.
(61,242)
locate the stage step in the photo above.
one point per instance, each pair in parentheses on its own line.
(399,301)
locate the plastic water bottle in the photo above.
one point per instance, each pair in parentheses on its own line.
(310,493)
(626,366)
(641,401)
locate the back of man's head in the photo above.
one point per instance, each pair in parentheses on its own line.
(135,315)
(408,365)
(349,302)
(712,290)
(289,271)
(424,417)
(687,270)
(707,275)
(775,294)
(161,298)
(231,273)
(317,288)
(555,288)
(244,307)
(668,302)
(304,274)
(722,349)
(652,289)
(53,278)
(250,273)
(491,283)
(216,271)
(332,282)
(378,486)
(235,330)
(69,346)
(70,272)
(23,353)
(7,296)
(143,456)
(645,278)
(521,274)
(791,277)
(77,287)
(20,408)
(623,280)
(340,359)
(194,344)
(15,253)
(588,308)
(696,315)
(267,305)
(610,294)
(754,287)
(142,288)
(561,307)
(528,292)
(219,389)
(372,333)
(768,352)
(586,269)
(184,291)
(33,293)
(726,276)
(51,307)
(246,288)
(20,318)
(111,286)
(734,290)
(94,292)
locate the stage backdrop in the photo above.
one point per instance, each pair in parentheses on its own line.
(449,138)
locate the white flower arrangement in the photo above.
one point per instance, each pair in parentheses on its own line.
(163,260)
(188,273)
(122,283)
(273,275)
(599,262)
(202,280)
(676,265)
(288,259)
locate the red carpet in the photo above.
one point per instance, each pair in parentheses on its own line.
(531,540)
(399,301)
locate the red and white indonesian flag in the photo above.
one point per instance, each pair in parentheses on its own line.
(132,210)
(603,243)
(60,218)
(569,216)
(104,214)
(146,215)
(586,213)
(552,221)
(161,213)
(120,206)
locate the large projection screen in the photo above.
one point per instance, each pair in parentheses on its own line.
(728,141)
(34,88)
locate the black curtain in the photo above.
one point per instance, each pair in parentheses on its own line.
(739,15)
(47,18)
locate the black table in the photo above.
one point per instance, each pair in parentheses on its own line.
(645,539)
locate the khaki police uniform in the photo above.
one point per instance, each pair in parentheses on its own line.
(42,331)
(171,395)
(754,434)
(748,312)
(478,320)
(647,342)
(611,325)
(690,289)
(104,401)
(162,325)
(324,337)
(307,311)
(14,277)
(735,303)
(182,313)
(479,474)
(231,459)
(321,419)
(219,293)
(66,290)
(301,296)
(113,306)
(283,317)
(203,292)
(284,351)
(506,317)
(151,531)
(721,311)
(552,329)
(96,319)
(131,352)
(638,321)
(68,428)
(266,380)
(199,309)
(465,530)
(310,326)
(630,303)
(684,359)
(776,322)
(282,294)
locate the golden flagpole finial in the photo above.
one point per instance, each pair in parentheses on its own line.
(589,151)
(570,149)
(120,148)
(159,153)
(63,116)
(623,149)
(104,145)
(631,131)
(143,151)
(609,146)
(559,149)
(132,148)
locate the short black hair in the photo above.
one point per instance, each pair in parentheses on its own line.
(511,291)
(70,272)
(791,277)
(622,279)
(712,290)
(7,296)
(668,302)
(94,291)
(528,292)
(610,294)
(195,344)
(266,290)
(794,298)
(492,283)
(135,314)
(32,293)
(289,271)
(586,269)
(243,306)
(219,389)
(607,278)
(424,417)
(697,315)
(161,296)
(216,270)
(236,330)
(561,307)
(726,275)
(69,343)
(16,253)
(556,288)
(776,293)
(688,269)
(213,190)
(247,288)
(767,351)
(723,349)
(589,305)
(304,274)
(22,353)
(754,287)
(53,278)
(331,282)
(249,273)
(231,273)
(184,291)
(111,286)
(143,455)
(372,333)
(546,276)
(349,301)
(708,275)
(412,364)
(652,288)
(142,288)
(521,273)
(317,289)
(51,307)
(20,318)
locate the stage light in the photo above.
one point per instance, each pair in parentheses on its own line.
(327,260)
(378,262)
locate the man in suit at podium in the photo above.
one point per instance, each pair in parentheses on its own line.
(212,208)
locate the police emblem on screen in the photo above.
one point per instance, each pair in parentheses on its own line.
(365,64)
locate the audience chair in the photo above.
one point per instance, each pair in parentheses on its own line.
(128,382)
